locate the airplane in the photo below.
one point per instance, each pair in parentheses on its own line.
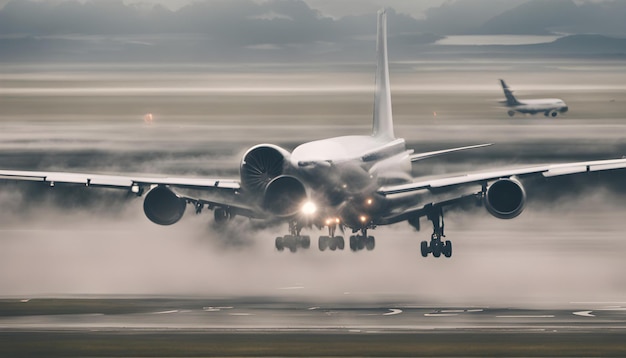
(551,107)
(352,183)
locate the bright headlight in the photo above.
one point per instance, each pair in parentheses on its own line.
(308,208)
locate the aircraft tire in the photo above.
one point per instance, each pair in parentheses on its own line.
(280,245)
(305,241)
(554,114)
(436,249)
(290,242)
(370,243)
(424,248)
(511,113)
(323,243)
(332,243)
(360,243)
(447,249)
(341,244)
(353,243)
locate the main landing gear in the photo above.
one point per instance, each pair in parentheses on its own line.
(360,242)
(436,245)
(294,240)
(331,241)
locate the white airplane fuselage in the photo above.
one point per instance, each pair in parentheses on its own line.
(548,106)
(343,174)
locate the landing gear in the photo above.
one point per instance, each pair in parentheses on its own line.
(363,241)
(294,240)
(436,245)
(511,113)
(331,241)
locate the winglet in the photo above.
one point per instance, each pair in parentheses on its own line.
(383,119)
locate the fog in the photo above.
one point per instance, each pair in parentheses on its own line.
(567,246)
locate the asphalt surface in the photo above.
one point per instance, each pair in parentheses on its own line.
(272,326)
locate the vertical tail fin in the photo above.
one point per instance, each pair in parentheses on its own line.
(383,119)
(510,99)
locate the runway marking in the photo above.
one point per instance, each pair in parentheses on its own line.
(313,308)
(440,314)
(584,313)
(216,309)
(392,312)
(241,314)
(166,312)
(25,300)
(598,303)
(291,288)
(527,316)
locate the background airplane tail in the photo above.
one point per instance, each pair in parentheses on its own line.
(510,99)
(383,119)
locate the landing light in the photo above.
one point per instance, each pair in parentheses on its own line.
(308,208)
(369,201)
(363,218)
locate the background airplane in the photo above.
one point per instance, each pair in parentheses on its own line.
(352,183)
(548,106)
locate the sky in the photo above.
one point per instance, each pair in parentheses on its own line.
(329,7)
(288,30)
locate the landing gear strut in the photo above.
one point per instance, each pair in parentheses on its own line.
(331,241)
(363,241)
(294,240)
(436,245)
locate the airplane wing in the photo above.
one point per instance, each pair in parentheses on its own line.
(547,170)
(116,181)
(137,185)
(426,155)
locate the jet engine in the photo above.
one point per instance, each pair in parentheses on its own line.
(260,165)
(262,177)
(164,207)
(505,198)
(284,196)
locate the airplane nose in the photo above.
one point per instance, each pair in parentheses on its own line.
(564,109)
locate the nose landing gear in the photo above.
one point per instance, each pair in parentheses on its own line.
(331,241)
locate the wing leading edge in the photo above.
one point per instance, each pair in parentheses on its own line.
(548,170)
(118,182)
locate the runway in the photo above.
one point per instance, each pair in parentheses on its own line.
(272,326)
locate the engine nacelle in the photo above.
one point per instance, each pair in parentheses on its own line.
(260,165)
(505,198)
(284,196)
(162,206)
